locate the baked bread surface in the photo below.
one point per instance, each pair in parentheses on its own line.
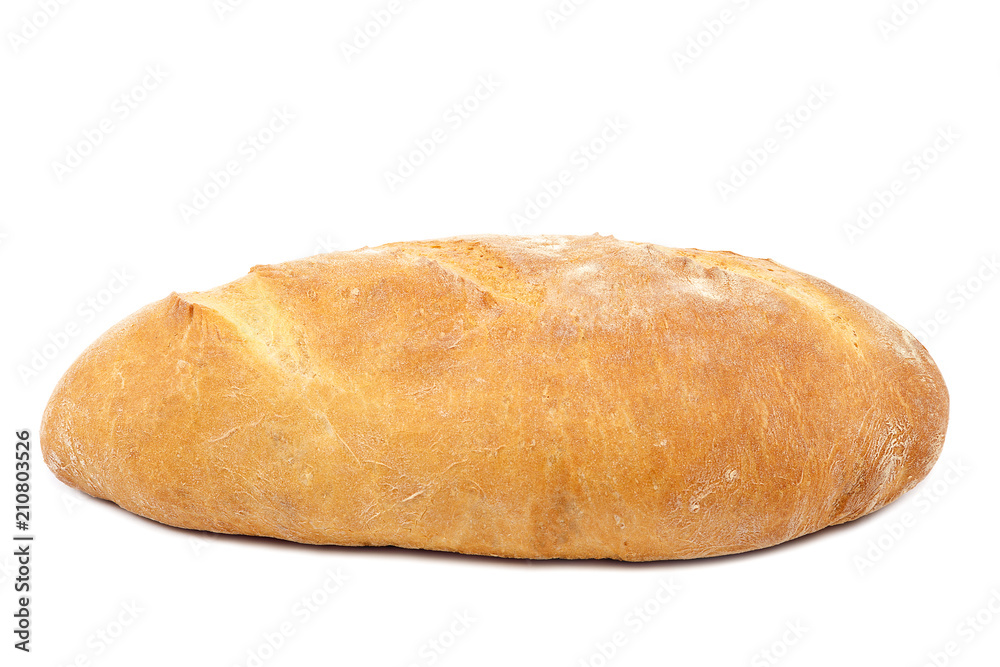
(530,397)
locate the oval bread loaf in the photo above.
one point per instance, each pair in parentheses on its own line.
(530,397)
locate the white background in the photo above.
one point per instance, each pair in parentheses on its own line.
(320,185)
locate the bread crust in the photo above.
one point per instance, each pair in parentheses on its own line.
(528,397)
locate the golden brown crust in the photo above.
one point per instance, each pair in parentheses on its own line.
(534,397)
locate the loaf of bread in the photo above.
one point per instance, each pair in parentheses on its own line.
(528,397)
